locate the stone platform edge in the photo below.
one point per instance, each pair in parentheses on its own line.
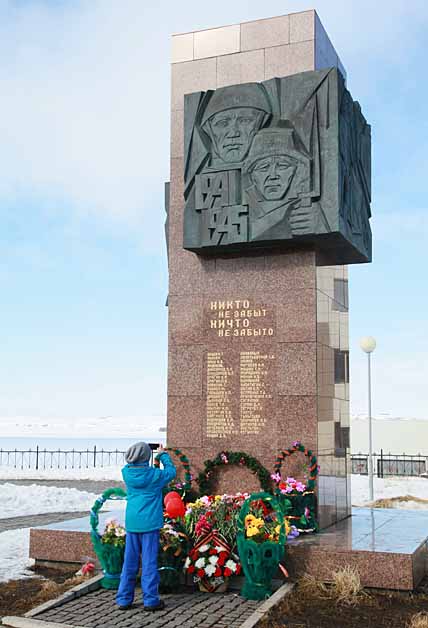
(29,620)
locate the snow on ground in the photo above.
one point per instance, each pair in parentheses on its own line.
(17,501)
(90,473)
(14,561)
(390,487)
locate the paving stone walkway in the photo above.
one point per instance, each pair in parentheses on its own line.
(31,521)
(195,610)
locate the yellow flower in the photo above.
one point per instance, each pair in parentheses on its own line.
(259,523)
(217,498)
(252,531)
(287,527)
(277,529)
(249,520)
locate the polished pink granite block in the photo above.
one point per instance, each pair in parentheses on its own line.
(60,546)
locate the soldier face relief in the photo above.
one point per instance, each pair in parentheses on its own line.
(273,175)
(232,132)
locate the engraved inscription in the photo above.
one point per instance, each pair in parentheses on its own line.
(219,396)
(240,318)
(255,388)
(240,384)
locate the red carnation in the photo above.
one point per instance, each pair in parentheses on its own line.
(238,569)
(217,572)
(222,558)
(212,552)
(201,573)
(191,569)
(227,572)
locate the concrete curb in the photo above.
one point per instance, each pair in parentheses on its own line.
(26,622)
(270,603)
(71,594)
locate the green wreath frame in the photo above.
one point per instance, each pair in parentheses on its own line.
(110,557)
(207,477)
(313,469)
(187,484)
(302,502)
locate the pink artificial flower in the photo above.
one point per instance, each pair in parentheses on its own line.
(224,458)
(296,443)
(276,477)
(300,487)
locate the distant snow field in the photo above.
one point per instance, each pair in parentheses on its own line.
(90,473)
(148,427)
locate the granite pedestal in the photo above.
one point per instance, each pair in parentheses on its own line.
(387,546)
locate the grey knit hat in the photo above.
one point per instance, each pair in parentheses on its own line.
(139,452)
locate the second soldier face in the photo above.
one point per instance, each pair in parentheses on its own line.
(272,176)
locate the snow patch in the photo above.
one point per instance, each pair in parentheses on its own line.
(385,488)
(17,501)
(14,550)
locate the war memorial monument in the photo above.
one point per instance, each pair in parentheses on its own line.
(269,201)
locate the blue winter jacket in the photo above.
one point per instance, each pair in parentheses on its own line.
(144,484)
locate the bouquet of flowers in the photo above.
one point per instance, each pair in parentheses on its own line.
(261,542)
(211,562)
(303,503)
(290,486)
(114,534)
(214,512)
(172,552)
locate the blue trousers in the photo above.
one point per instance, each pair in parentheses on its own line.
(146,545)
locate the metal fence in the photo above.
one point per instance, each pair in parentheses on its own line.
(390,464)
(44,459)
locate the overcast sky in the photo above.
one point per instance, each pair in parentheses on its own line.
(83,157)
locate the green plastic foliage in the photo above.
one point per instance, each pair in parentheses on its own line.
(260,560)
(110,557)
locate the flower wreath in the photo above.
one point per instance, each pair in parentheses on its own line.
(207,477)
(187,484)
(313,468)
(211,558)
(303,499)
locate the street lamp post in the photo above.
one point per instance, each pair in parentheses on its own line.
(368,345)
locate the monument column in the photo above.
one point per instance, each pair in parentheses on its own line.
(258,336)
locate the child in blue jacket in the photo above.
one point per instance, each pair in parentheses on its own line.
(143,520)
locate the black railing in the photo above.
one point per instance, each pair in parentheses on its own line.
(44,459)
(390,464)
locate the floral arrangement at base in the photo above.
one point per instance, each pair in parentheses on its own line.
(173,548)
(303,513)
(114,533)
(211,562)
(261,542)
(214,512)
(109,546)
